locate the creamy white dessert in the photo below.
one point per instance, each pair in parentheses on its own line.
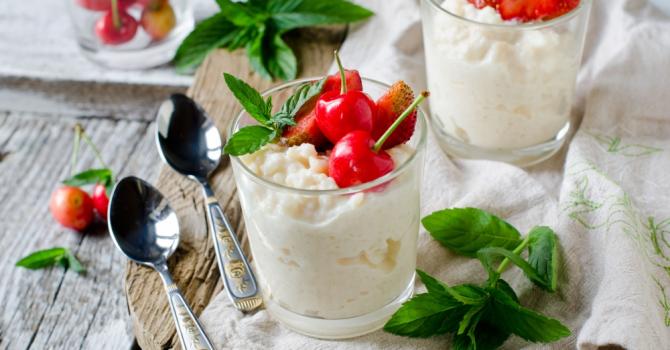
(499,87)
(328,256)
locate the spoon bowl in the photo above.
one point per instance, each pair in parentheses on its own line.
(189,142)
(187,139)
(145,228)
(141,222)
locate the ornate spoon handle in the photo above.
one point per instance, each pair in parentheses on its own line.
(191,333)
(238,277)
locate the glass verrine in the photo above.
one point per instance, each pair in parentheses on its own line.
(130,34)
(501,90)
(332,263)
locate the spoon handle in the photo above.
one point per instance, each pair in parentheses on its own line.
(238,278)
(191,333)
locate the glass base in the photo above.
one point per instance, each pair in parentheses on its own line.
(522,157)
(152,56)
(340,328)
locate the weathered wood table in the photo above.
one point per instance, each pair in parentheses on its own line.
(56,308)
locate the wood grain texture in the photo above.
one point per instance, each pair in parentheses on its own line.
(193,265)
(57,308)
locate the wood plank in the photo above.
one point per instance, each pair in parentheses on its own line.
(55,308)
(133,102)
(193,265)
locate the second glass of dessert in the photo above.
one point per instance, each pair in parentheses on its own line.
(502,74)
(331,200)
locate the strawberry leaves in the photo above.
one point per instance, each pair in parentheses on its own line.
(249,139)
(483,317)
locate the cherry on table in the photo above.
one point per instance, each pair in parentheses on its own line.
(113,32)
(71,207)
(100,200)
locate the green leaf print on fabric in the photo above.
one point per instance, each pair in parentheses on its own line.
(614,144)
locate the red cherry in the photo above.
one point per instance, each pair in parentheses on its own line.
(103,5)
(339,114)
(100,200)
(352,77)
(71,207)
(111,34)
(353,161)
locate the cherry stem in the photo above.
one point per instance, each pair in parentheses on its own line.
(343,77)
(378,145)
(115,14)
(75,148)
(90,143)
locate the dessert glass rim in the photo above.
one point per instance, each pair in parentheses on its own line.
(583,4)
(421,120)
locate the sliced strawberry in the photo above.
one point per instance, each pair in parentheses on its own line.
(389,108)
(334,82)
(480,4)
(535,10)
(305,129)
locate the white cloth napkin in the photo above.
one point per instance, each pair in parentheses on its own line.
(607,196)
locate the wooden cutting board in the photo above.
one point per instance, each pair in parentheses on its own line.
(193,265)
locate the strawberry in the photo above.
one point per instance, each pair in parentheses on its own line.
(352,77)
(389,107)
(535,10)
(480,4)
(305,129)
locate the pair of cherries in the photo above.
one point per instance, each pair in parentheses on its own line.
(346,118)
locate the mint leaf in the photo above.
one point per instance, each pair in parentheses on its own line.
(249,139)
(281,61)
(487,255)
(91,176)
(240,14)
(293,104)
(281,6)
(468,294)
(256,49)
(74,264)
(433,285)
(470,320)
(250,99)
(243,36)
(42,258)
(216,31)
(49,257)
(543,256)
(424,316)
(465,231)
(319,12)
(511,317)
(484,336)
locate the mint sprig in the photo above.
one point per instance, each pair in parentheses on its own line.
(483,316)
(49,257)
(259,27)
(249,139)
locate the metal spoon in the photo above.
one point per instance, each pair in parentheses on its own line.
(190,143)
(145,229)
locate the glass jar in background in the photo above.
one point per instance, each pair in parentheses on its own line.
(130,34)
(501,90)
(332,263)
